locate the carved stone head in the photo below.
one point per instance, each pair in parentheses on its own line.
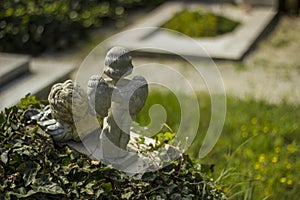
(118,63)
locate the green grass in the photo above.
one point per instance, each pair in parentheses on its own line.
(200,24)
(257,155)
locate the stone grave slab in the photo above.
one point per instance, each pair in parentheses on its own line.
(42,75)
(232,46)
(12,66)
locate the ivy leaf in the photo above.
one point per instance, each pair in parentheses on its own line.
(176,196)
(106,186)
(2,118)
(20,195)
(48,188)
(127,195)
(29,170)
(89,188)
(99,192)
(1,174)
(149,176)
(4,157)
(27,101)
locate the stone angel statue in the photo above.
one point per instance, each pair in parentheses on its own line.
(113,99)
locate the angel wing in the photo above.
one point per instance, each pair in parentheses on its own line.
(99,95)
(139,96)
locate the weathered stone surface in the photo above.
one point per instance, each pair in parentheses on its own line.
(272,3)
(42,75)
(116,99)
(146,37)
(99,95)
(68,101)
(126,94)
(12,66)
(117,63)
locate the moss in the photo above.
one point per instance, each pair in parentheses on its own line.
(200,24)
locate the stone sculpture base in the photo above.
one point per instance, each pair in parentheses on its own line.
(131,162)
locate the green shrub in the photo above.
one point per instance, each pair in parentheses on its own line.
(200,24)
(32,167)
(291,7)
(33,26)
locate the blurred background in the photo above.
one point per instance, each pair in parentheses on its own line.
(257,156)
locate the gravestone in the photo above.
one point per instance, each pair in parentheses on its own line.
(147,37)
(12,66)
(271,3)
(20,75)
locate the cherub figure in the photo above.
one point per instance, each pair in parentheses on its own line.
(117,98)
(114,99)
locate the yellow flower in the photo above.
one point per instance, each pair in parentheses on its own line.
(266,129)
(254,121)
(283,180)
(291,148)
(258,177)
(277,149)
(225,190)
(244,134)
(274,159)
(267,192)
(289,166)
(261,158)
(257,166)
(243,127)
(254,132)
(289,182)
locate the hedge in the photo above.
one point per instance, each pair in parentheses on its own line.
(33,26)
